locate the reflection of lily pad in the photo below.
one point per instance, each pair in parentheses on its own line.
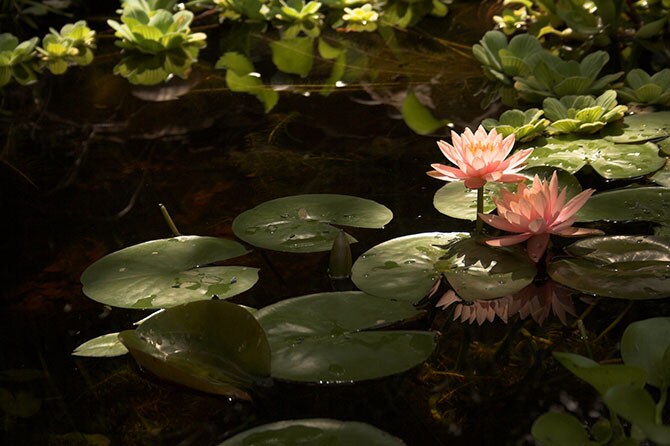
(165,273)
(303,223)
(325,338)
(640,127)
(477,271)
(627,267)
(402,268)
(610,160)
(630,204)
(314,432)
(213,346)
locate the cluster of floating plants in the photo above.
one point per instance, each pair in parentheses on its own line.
(518,177)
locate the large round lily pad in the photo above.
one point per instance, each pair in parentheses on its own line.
(610,160)
(325,338)
(477,271)
(627,267)
(313,432)
(402,268)
(630,204)
(303,223)
(165,273)
(640,127)
(213,346)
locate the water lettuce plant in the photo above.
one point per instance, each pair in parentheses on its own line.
(526,125)
(641,88)
(155,31)
(15,58)
(294,17)
(72,45)
(582,114)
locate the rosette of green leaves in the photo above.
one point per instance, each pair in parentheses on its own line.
(237,10)
(405,13)
(15,58)
(554,77)
(148,5)
(72,45)
(582,114)
(526,125)
(361,19)
(502,61)
(155,31)
(512,20)
(296,16)
(641,88)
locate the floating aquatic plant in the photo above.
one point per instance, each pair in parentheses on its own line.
(362,18)
(72,45)
(582,114)
(14,59)
(641,88)
(526,125)
(294,17)
(512,20)
(502,61)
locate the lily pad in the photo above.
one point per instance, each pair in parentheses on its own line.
(609,160)
(213,346)
(303,223)
(402,268)
(630,204)
(602,377)
(646,344)
(314,432)
(165,273)
(477,271)
(627,267)
(325,338)
(105,346)
(662,177)
(640,127)
(559,429)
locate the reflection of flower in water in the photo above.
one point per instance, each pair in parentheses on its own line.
(480,157)
(538,301)
(534,301)
(478,310)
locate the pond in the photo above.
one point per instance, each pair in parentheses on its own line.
(260,146)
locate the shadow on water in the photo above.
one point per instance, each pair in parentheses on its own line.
(87,158)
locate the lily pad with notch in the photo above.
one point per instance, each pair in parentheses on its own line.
(403,268)
(164,273)
(328,338)
(628,204)
(304,223)
(213,346)
(640,127)
(314,432)
(625,267)
(477,271)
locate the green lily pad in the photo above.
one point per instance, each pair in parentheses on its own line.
(402,268)
(456,201)
(662,177)
(213,346)
(325,338)
(602,377)
(646,344)
(477,271)
(105,346)
(303,223)
(610,160)
(640,127)
(626,267)
(559,429)
(638,407)
(164,273)
(314,432)
(630,204)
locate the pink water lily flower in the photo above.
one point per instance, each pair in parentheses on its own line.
(535,213)
(480,157)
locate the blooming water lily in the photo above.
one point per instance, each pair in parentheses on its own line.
(535,213)
(480,157)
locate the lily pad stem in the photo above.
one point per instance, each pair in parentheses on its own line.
(480,210)
(584,337)
(661,405)
(169,221)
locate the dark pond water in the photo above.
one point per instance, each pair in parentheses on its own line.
(86,161)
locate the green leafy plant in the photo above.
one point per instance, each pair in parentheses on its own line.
(153,32)
(512,20)
(552,76)
(582,114)
(15,59)
(295,16)
(363,18)
(641,88)
(525,124)
(72,45)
